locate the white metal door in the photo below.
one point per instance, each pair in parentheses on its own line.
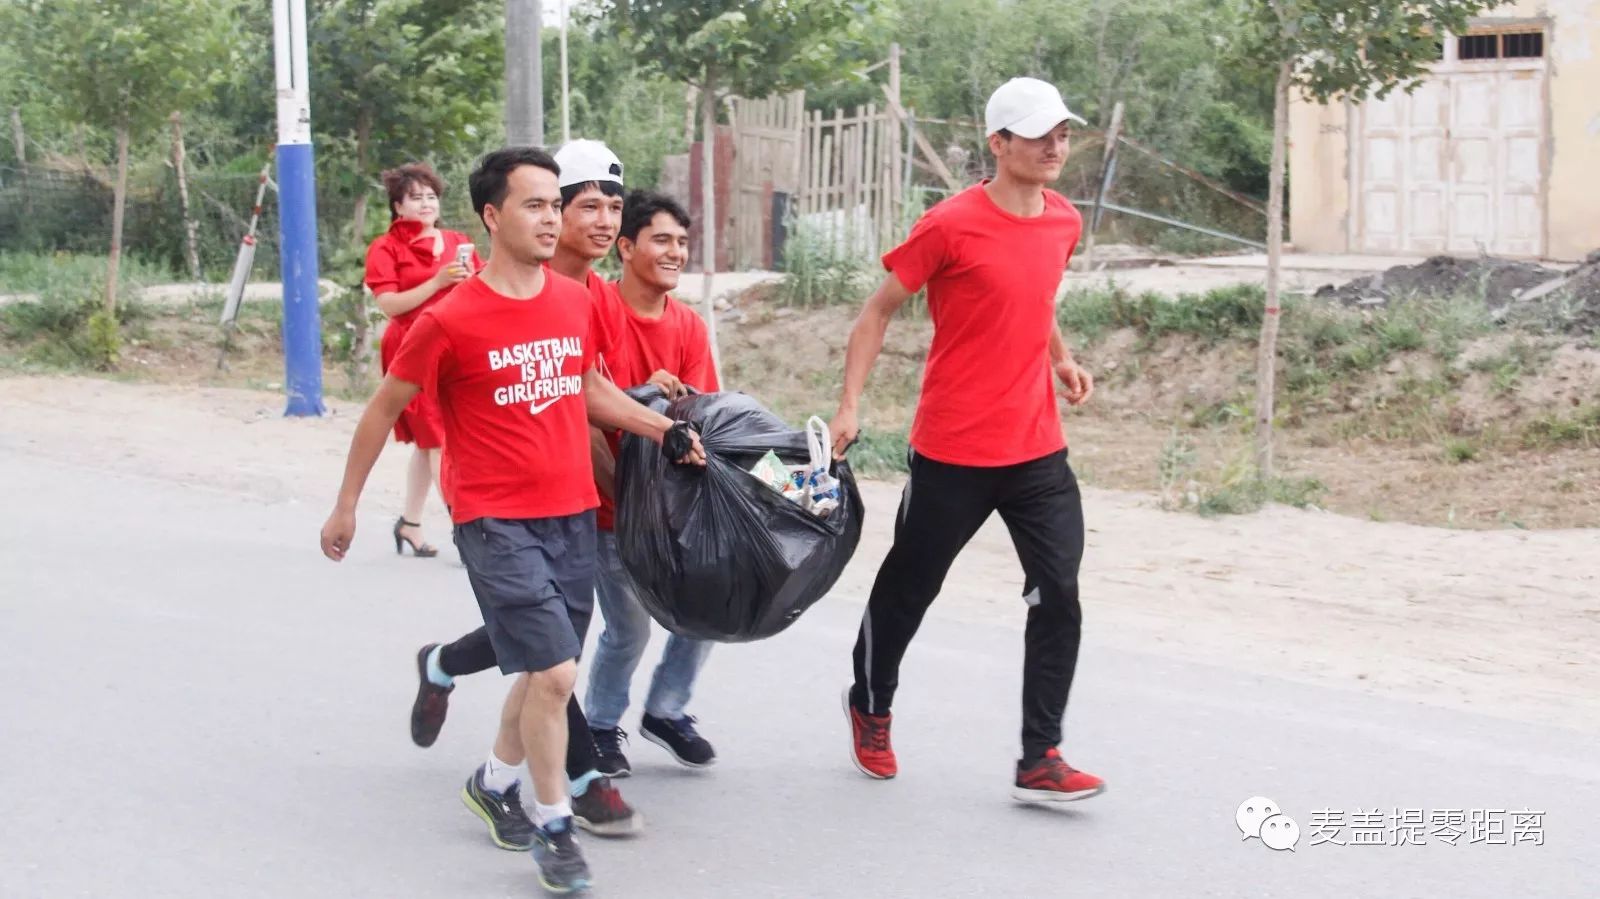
(1455,166)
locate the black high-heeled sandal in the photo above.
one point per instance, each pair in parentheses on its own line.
(401,541)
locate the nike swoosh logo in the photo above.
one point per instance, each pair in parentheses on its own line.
(536,408)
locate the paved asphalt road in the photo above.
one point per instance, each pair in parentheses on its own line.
(198,704)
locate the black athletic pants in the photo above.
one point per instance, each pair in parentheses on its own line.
(942,507)
(472,653)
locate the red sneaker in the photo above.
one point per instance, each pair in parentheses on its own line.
(869,742)
(1052,780)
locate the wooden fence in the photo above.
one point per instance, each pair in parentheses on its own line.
(851,175)
(766,162)
(840,172)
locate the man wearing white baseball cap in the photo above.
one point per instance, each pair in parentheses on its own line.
(591,219)
(591,209)
(987,434)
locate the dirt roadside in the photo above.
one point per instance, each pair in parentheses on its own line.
(1502,622)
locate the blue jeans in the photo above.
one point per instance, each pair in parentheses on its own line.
(621,645)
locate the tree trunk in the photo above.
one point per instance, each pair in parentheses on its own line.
(690,94)
(358,218)
(1267,353)
(191,231)
(119,203)
(708,211)
(20,138)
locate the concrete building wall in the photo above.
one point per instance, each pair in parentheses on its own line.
(1573,210)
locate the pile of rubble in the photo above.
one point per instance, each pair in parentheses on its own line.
(1504,284)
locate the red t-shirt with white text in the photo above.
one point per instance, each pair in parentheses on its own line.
(508,374)
(676,342)
(987,392)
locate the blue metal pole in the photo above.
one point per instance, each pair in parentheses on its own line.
(297,213)
(302,320)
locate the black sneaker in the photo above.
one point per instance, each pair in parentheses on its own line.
(679,738)
(608,750)
(561,865)
(601,810)
(509,826)
(431,705)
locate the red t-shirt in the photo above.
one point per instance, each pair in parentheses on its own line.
(987,394)
(509,377)
(676,342)
(609,320)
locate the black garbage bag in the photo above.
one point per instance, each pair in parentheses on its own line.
(714,553)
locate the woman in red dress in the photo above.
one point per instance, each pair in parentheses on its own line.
(409,269)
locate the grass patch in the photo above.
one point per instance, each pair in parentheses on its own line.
(62,324)
(1174,467)
(1221,314)
(1251,494)
(1235,488)
(1582,428)
(822,266)
(1521,357)
(46,272)
(879,454)
(69,329)
(1318,340)
(1458,450)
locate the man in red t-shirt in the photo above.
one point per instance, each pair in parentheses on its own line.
(665,342)
(510,356)
(987,435)
(591,213)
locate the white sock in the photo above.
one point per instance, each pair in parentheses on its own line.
(500,776)
(544,814)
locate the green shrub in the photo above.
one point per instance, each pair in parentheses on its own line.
(821,268)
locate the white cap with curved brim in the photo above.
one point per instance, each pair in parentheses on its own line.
(1027,107)
(583,161)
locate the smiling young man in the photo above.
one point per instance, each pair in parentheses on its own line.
(511,357)
(665,342)
(591,212)
(987,435)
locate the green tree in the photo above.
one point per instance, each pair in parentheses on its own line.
(1330,49)
(1160,58)
(638,113)
(394,80)
(124,66)
(751,48)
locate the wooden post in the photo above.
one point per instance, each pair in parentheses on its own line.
(835,161)
(896,185)
(910,154)
(708,213)
(934,160)
(119,204)
(1267,352)
(795,123)
(191,232)
(852,174)
(1108,161)
(814,195)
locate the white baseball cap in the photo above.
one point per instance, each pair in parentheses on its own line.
(583,161)
(1027,107)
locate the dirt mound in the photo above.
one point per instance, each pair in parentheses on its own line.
(1582,290)
(1499,280)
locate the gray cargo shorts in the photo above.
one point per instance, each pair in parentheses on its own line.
(534,581)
